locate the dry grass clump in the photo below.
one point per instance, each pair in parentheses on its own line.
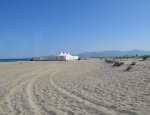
(145,57)
(117,63)
(133,63)
(130,66)
(109,61)
(82,58)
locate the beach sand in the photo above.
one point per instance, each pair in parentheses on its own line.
(84,87)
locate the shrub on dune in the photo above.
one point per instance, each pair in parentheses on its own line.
(133,63)
(128,68)
(117,63)
(145,57)
(109,61)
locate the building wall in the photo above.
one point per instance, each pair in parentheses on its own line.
(49,58)
(55,58)
(72,58)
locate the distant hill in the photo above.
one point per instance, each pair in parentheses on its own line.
(114,53)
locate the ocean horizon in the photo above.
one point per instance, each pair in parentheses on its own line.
(15,59)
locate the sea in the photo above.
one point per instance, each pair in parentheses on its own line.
(15,60)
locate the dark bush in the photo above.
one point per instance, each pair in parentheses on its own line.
(145,57)
(109,61)
(84,58)
(133,63)
(128,68)
(117,63)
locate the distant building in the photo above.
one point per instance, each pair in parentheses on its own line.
(63,56)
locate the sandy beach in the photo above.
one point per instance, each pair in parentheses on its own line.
(84,87)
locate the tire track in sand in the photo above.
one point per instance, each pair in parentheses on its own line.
(101,109)
(27,85)
(31,98)
(10,96)
(29,90)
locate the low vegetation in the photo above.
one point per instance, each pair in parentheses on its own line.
(130,66)
(117,63)
(133,63)
(109,61)
(145,57)
(82,58)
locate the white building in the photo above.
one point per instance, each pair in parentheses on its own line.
(63,56)
(67,56)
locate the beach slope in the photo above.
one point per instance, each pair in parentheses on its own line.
(85,87)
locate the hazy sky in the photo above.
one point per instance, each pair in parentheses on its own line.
(43,27)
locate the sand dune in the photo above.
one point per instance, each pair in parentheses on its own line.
(86,87)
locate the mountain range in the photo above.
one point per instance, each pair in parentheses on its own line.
(114,53)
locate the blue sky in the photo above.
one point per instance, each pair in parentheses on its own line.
(43,27)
